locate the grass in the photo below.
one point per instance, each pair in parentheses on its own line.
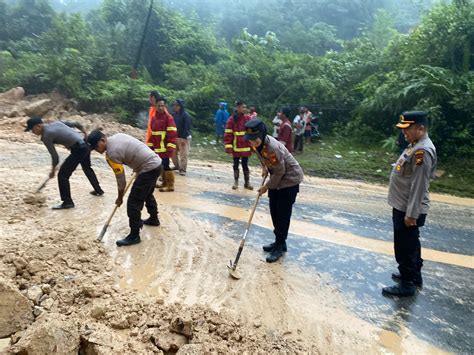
(334,157)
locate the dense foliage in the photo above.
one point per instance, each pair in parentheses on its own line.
(359,62)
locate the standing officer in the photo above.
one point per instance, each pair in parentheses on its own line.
(283,185)
(408,195)
(124,149)
(63,132)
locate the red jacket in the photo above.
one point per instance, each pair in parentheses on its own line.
(163,135)
(284,135)
(234,133)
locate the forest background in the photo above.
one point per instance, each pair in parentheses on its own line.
(358,62)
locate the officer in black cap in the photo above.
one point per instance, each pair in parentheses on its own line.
(408,195)
(63,132)
(283,185)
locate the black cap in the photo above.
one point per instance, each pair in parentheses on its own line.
(94,137)
(33,121)
(254,129)
(408,118)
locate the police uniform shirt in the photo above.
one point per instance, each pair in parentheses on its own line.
(59,132)
(125,149)
(410,178)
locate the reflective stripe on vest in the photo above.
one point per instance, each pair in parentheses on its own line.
(171,128)
(236,149)
(162,148)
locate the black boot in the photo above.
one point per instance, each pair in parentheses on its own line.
(64,206)
(269,247)
(417,281)
(132,238)
(403,289)
(236,180)
(247,180)
(152,221)
(277,253)
(97,193)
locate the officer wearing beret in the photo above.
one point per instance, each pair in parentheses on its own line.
(409,197)
(283,185)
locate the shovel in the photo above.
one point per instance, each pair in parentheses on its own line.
(41,187)
(106,225)
(233,265)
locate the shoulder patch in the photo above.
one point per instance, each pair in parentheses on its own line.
(419,155)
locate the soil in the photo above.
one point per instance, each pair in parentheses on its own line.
(171,293)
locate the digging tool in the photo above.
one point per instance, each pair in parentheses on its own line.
(233,265)
(41,187)
(106,225)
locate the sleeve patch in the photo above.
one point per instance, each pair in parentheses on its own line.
(419,155)
(117,168)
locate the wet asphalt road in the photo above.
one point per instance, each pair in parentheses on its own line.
(442,313)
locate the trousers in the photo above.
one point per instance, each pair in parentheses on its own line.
(142,193)
(407,245)
(281,207)
(180,158)
(80,154)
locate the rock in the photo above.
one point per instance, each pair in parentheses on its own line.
(20,265)
(121,323)
(193,349)
(47,303)
(15,309)
(15,94)
(52,334)
(98,312)
(37,311)
(36,266)
(4,344)
(46,288)
(34,294)
(169,342)
(38,108)
(181,326)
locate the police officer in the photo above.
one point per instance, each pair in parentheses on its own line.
(63,133)
(122,149)
(409,197)
(283,185)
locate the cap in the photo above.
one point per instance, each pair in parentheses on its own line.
(179,102)
(408,118)
(94,137)
(33,121)
(254,129)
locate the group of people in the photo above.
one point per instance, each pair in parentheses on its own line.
(243,136)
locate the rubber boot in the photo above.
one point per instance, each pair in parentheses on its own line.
(247,180)
(131,239)
(269,247)
(236,180)
(417,281)
(277,253)
(163,180)
(169,177)
(403,289)
(152,221)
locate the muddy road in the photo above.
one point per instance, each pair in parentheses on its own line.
(324,294)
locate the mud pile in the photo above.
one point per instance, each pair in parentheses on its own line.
(61,287)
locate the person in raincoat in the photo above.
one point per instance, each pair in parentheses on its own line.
(221,120)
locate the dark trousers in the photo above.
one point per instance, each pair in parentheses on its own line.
(245,163)
(407,245)
(80,154)
(142,193)
(165,163)
(281,206)
(299,143)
